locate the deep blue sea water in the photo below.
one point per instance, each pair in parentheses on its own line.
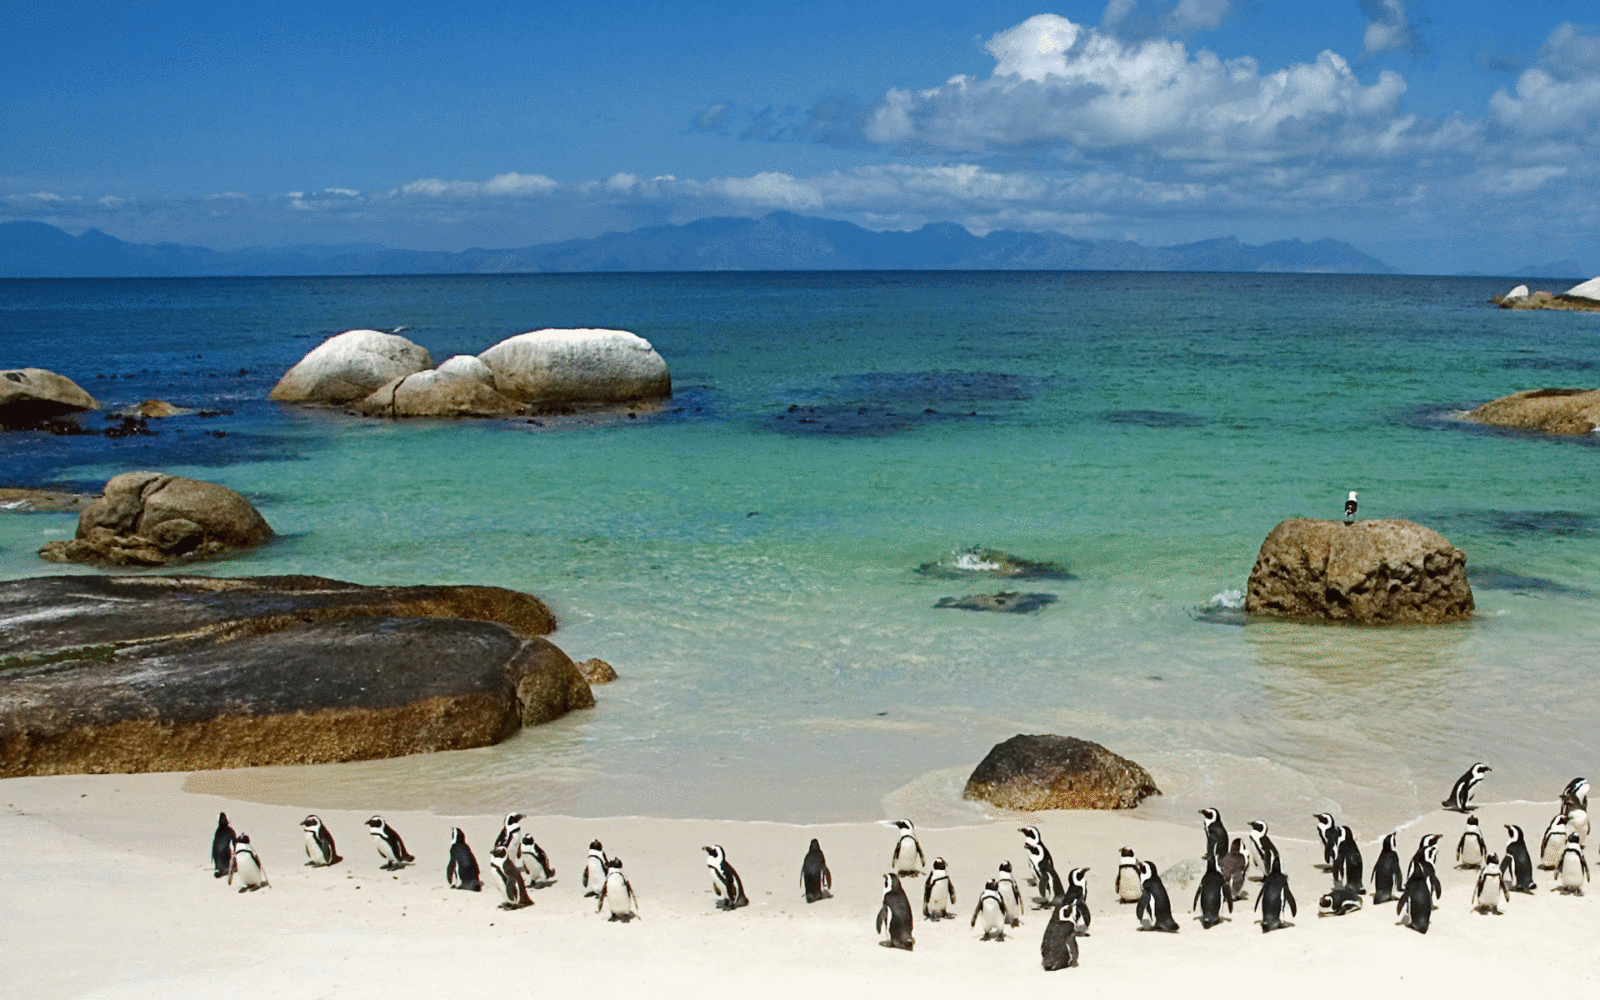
(753,577)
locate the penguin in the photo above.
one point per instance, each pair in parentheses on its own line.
(1155,910)
(907,859)
(222,847)
(1387,882)
(1460,799)
(1274,894)
(1076,900)
(1262,849)
(1327,832)
(1575,802)
(992,908)
(894,918)
(1416,903)
(938,893)
(1517,856)
(1234,865)
(1059,947)
(616,894)
(389,844)
(246,865)
(516,889)
(1216,833)
(725,882)
(1490,887)
(319,843)
(594,869)
(1038,854)
(1423,868)
(1553,843)
(1130,884)
(1573,869)
(1471,849)
(1051,888)
(1350,509)
(505,837)
(1347,864)
(815,879)
(1010,894)
(1338,903)
(535,863)
(1213,892)
(462,870)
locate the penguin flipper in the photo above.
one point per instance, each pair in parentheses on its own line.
(1288,897)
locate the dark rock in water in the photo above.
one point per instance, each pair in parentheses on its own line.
(23,501)
(1369,572)
(1008,602)
(128,674)
(1152,418)
(151,519)
(1057,772)
(979,562)
(30,397)
(1494,578)
(597,671)
(850,420)
(1553,411)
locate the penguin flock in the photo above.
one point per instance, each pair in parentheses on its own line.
(1414,887)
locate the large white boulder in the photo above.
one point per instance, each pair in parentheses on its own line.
(1519,292)
(590,366)
(1587,290)
(435,394)
(350,366)
(469,366)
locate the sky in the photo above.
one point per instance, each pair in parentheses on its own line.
(1440,137)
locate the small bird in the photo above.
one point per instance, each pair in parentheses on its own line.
(1272,899)
(907,858)
(1233,867)
(1076,900)
(1387,881)
(1553,843)
(1216,833)
(815,879)
(246,865)
(1490,887)
(725,882)
(1130,884)
(992,908)
(535,862)
(1328,833)
(1350,509)
(319,843)
(1262,849)
(1059,947)
(462,870)
(1347,864)
(1339,902)
(1010,894)
(1155,909)
(939,893)
(516,890)
(1471,849)
(616,894)
(1460,799)
(222,847)
(594,869)
(1517,857)
(894,918)
(390,847)
(1573,871)
(1211,894)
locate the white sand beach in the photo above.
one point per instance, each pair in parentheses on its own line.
(106,891)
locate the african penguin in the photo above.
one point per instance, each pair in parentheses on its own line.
(907,858)
(535,863)
(1076,900)
(1422,866)
(1460,799)
(1213,892)
(246,865)
(725,882)
(1553,843)
(1347,863)
(1059,946)
(1033,843)
(1416,903)
(1519,859)
(1427,852)
(815,879)
(939,893)
(1471,849)
(1010,894)
(1490,887)
(992,908)
(462,870)
(1155,909)
(1216,833)
(1387,879)
(894,918)
(616,893)
(1573,871)
(1272,899)
(516,890)
(1339,902)
(1327,832)
(1575,801)
(1233,866)
(594,869)
(504,838)
(1350,509)
(389,844)
(1051,889)
(319,843)
(1262,849)
(1130,884)
(222,847)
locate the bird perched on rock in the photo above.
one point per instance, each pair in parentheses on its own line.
(1350,509)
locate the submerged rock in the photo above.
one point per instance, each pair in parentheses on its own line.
(350,366)
(1553,411)
(1369,572)
(978,561)
(127,674)
(1057,772)
(1005,601)
(151,518)
(31,396)
(545,367)
(153,409)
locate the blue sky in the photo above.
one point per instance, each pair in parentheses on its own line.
(1439,137)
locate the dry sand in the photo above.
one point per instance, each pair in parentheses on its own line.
(106,891)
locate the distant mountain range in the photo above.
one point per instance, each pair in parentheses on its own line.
(782,241)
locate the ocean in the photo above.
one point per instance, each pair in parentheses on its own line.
(763,560)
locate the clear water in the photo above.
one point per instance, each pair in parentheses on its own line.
(753,578)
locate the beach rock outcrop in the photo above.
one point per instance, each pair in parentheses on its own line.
(1553,411)
(350,366)
(597,671)
(153,409)
(1057,772)
(436,394)
(29,396)
(468,365)
(1005,602)
(1519,292)
(151,519)
(1585,290)
(1377,571)
(125,674)
(979,562)
(544,367)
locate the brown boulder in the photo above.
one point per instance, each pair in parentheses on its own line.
(1030,773)
(150,519)
(1553,411)
(597,671)
(1368,572)
(436,394)
(31,395)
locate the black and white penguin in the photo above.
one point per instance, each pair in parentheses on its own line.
(894,918)
(1155,909)
(1328,833)
(462,870)
(1553,843)
(1211,894)
(992,910)
(594,869)
(1575,802)
(244,863)
(1130,884)
(535,863)
(1059,947)
(1521,862)
(506,836)
(1275,894)
(1350,508)
(516,890)
(222,847)
(1010,893)
(1573,871)
(725,882)
(1052,890)
(1216,833)
(939,893)
(1387,879)
(1339,902)
(389,844)
(907,858)
(1490,887)
(815,879)
(1416,902)
(1262,849)
(1471,848)
(319,843)
(1076,900)
(1234,866)
(1347,864)
(1038,854)
(1423,865)
(616,893)
(1460,799)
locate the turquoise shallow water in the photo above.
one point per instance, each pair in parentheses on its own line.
(753,578)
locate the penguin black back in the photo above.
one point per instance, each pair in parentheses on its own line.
(1275,895)
(1213,892)
(815,879)
(1416,903)
(895,915)
(1387,880)
(1059,947)
(1521,862)
(462,870)
(1155,909)
(222,847)
(1347,864)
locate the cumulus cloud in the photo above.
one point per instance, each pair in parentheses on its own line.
(1559,98)
(1137,20)
(501,185)
(1392,27)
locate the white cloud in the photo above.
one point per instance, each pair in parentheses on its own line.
(1391,27)
(1560,97)
(501,185)
(1196,15)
